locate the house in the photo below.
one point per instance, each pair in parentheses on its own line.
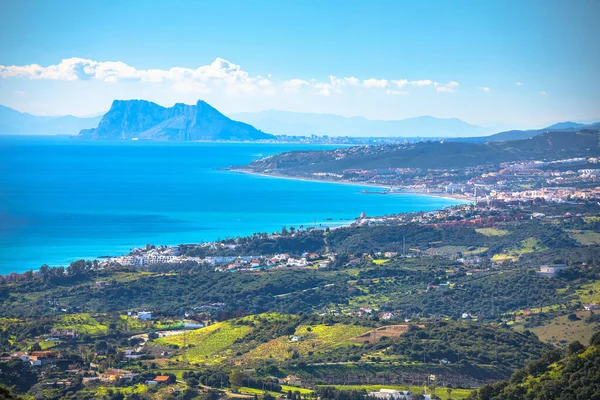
(390,254)
(292,380)
(163,379)
(131,354)
(36,361)
(390,394)
(295,338)
(193,325)
(551,271)
(443,361)
(474,271)
(300,262)
(324,264)
(144,315)
(386,315)
(151,383)
(590,307)
(114,374)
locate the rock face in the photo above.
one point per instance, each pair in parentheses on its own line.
(128,119)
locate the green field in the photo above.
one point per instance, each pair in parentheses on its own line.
(527,246)
(561,329)
(314,338)
(380,261)
(210,344)
(490,232)
(585,238)
(83,323)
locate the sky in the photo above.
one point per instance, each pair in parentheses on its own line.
(498,64)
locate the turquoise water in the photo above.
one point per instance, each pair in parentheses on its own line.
(63,199)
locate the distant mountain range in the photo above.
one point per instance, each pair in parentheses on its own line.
(13,122)
(517,134)
(306,124)
(130,119)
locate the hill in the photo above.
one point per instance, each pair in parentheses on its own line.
(526,134)
(13,122)
(574,376)
(306,124)
(129,119)
(438,154)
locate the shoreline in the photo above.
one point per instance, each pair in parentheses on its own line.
(332,224)
(341,182)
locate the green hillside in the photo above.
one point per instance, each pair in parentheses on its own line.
(575,376)
(440,154)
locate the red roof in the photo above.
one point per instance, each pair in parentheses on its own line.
(161,378)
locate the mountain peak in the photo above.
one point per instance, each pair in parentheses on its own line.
(128,119)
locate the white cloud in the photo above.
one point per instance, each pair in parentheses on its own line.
(484,89)
(400,83)
(191,87)
(323,89)
(449,87)
(220,71)
(335,84)
(519,83)
(395,92)
(543,93)
(424,82)
(221,75)
(375,83)
(293,85)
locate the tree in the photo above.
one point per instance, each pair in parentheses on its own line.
(236,379)
(268,396)
(45,272)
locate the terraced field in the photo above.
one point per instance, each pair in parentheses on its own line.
(218,342)
(211,344)
(314,338)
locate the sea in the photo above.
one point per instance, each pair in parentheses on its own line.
(63,199)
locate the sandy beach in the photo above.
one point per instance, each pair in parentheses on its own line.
(343,182)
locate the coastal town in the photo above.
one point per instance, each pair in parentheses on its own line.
(558,180)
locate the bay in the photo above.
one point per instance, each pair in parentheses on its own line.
(63,199)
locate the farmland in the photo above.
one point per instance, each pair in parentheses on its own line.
(83,323)
(313,339)
(491,232)
(210,344)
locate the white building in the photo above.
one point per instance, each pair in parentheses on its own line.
(144,315)
(390,394)
(552,270)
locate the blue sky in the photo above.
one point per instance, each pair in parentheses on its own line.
(493,63)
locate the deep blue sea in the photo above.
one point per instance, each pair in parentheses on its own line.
(63,199)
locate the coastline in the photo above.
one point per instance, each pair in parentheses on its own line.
(343,182)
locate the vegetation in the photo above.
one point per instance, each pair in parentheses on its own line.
(574,376)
